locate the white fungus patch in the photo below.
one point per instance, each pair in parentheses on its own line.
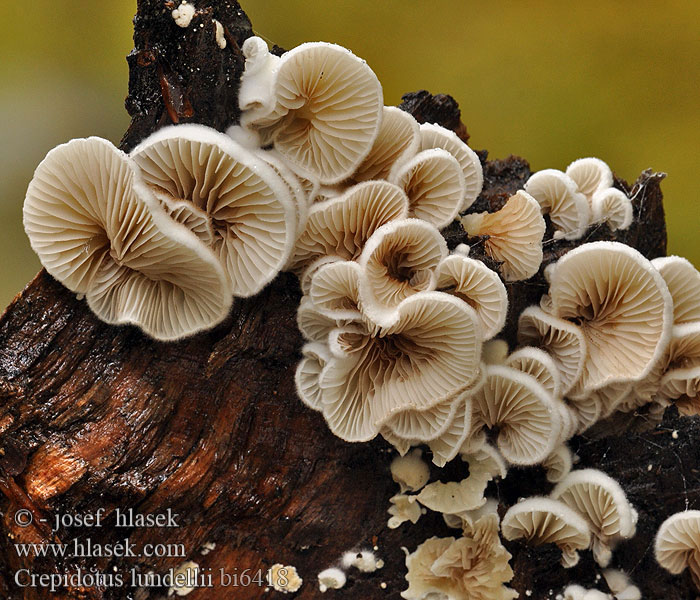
(364,561)
(284,579)
(184,14)
(331,579)
(220,38)
(184,578)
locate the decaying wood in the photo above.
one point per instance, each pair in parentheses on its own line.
(99,417)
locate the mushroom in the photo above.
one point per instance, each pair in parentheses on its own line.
(601,501)
(256,97)
(327,113)
(398,140)
(306,275)
(341,226)
(335,289)
(99,230)
(403,508)
(313,324)
(546,521)
(250,206)
(558,195)
(586,410)
(613,207)
(448,444)
(331,579)
(187,214)
(398,261)
(558,464)
(512,235)
(563,341)
(480,287)
(683,387)
(525,414)
(435,136)
(434,183)
(411,472)
(538,364)
(314,358)
(591,175)
(622,306)
(677,544)
(621,585)
(683,281)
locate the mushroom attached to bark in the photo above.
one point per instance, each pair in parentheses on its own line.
(99,230)
(250,206)
(558,195)
(591,175)
(558,464)
(683,281)
(547,521)
(403,508)
(622,306)
(327,113)
(601,501)
(314,358)
(677,544)
(613,207)
(411,472)
(512,235)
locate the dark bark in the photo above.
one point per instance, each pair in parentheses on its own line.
(94,416)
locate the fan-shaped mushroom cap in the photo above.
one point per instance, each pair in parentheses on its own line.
(335,289)
(256,97)
(341,226)
(314,325)
(473,566)
(683,387)
(425,425)
(403,508)
(546,521)
(613,207)
(525,413)
(683,281)
(467,519)
(98,229)
(623,308)
(558,464)
(447,445)
(327,114)
(429,354)
(398,140)
(558,195)
(586,410)
(538,364)
(601,501)
(411,472)
(250,206)
(187,214)
(435,136)
(591,175)
(563,340)
(434,183)
(314,358)
(398,261)
(677,544)
(306,276)
(480,287)
(401,445)
(514,235)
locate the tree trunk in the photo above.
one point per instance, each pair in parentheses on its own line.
(100,417)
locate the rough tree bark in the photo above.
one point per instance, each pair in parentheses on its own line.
(93,416)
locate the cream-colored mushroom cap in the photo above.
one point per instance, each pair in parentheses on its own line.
(480,287)
(250,206)
(563,341)
(558,464)
(429,354)
(450,441)
(546,521)
(398,261)
(403,508)
(677,544)
(341,226)
(601,501)
(256,97)
(187,214)
(524,412)
(538,364)
(613,207)
(586,409)
(411,472)
(558,195)
(328,111)
(425,425)
(314,358)
(622,306)
(591,175)
(435,136)
(398,140)
(434,183)
(306,275)
(683,281)
(98,229)
(313,324)
(683,387)
(514,235)
(335,289)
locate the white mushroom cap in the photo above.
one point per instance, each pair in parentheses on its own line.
(313,324)
(538,364)
(467,519)
(613,207)
(621,585)
(331,579)
(341,226)
(98,230)
(546,521)
(480,287)
(435,136)
(558,464)
(558,195)
(563,340)
(586,410)
(448,444)
(401,445)
(515,235)
(525,413)
(426,425)
(315,356)
(256,96)
(429,354)
(403,508)
(591,175)
(398,261)
(411,472)
(251,208)
(306,276)
(398,140)
(601,501)
(328,111)
(434,183)
(187,214)
(683,281)
(677,544)
(335,289)
(683,387)
(623,308)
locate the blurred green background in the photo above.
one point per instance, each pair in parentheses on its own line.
(548,80)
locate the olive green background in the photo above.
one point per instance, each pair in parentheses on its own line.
(548,80)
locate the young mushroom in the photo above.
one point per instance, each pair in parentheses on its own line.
(591,175)
(677,544)
(613,207)
(683,281)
